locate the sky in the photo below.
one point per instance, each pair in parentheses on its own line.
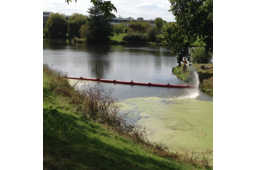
(148,9)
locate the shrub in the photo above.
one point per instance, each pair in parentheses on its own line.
(84,31)
(199,55)
(152,32)
(137,37)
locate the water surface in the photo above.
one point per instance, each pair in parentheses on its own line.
(140,63)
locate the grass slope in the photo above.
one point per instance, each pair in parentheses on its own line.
(72,141)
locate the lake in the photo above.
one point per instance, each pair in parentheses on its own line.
(140,63)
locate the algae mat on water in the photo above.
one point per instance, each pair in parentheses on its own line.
(178,123)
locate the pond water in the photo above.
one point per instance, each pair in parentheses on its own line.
(140,63)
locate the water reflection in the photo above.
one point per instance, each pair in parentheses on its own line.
(54,44)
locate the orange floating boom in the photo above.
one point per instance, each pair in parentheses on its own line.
(131,82)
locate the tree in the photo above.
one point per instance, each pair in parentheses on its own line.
(99,27)
(113,15)
(177,40)
(135,27)
(199,55)
(118,28)
(140,18)
(75,23)
(159,23)
(106,6)
(56,26)
(195,18)
(152,32)
(84,31)
(139,26)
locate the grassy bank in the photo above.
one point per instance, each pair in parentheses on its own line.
(205,76)
(186,77)
(82,130)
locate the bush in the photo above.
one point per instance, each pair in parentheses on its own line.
(138,37)
(152,32)
(84,31)
(199,55)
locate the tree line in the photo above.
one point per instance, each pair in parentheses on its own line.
(194,21)
(97,28)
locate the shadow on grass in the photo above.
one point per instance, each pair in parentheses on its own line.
(69,144)
(46,95)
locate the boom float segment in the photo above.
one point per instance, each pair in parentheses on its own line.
(132,83)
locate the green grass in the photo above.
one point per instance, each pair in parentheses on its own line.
(73,141)
(178,71)
(118,38)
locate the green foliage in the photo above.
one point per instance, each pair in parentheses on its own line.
(199,55)
(207,86)
(198,43)
(99,26)
(118,28)
(195,18)
(75,22)
(56,26)
(84,31)
(176,38)
(125,30)
(139,26)
(136,37)
(45,33)
(159,23)
(152,32)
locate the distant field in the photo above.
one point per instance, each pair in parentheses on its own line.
(118,37)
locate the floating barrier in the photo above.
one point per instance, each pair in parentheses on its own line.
(132,83)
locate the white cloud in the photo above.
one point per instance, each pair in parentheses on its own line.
(148,9)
